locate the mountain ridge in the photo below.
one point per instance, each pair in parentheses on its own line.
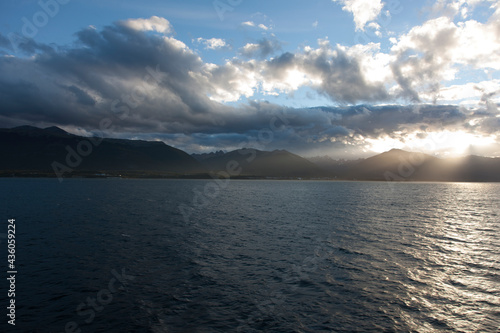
(52,149)
(29,150)
(254,162)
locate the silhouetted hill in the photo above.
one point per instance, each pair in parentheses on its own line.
(464,169)
(204,156)
(32,148)
(51,151)
(253,162)
(400,165)
(55,130)
(395,164)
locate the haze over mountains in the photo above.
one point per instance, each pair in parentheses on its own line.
(400,165)
(51,151)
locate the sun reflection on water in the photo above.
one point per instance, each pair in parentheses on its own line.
(456,259)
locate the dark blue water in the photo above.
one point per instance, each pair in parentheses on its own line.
(253,256)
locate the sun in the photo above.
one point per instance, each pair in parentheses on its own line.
(458,142)
(446,143)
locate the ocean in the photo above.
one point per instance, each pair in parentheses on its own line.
(125,255)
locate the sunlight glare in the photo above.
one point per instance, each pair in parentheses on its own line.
(455,143)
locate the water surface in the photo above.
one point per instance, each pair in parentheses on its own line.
(255,256)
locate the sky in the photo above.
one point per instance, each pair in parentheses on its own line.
(342,78)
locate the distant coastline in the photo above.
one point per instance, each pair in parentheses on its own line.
(125,176)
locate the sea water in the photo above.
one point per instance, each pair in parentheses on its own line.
(124,255)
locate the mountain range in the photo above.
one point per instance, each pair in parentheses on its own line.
(28,148)
(400,165)
(32,151)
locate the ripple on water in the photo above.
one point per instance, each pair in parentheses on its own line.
(262,256)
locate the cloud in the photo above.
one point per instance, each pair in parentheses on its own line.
(4,42)
(212,43)
(262,49)
(253,24)
(468,91)
(154,23)
(145,79)
(231,81)
(376,28)
(437,50)
(363,11)
(153,86)
(340,131)
(82,97)
(20,44)
(418,62)
(346,75)
(248,24)
(453,8)
(337,72)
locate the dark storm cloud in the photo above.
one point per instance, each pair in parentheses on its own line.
(320,129)
(153,87)
(82,97)
(145,76)
(373,121)
(155,83)
(15,42)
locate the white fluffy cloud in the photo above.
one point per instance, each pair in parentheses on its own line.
(436,51)
(154,23)
(250,48)
(212,43)
(364,11)
(470,91)
(253,24)
(346,75)
(231,81)
(248,24)
(453,8)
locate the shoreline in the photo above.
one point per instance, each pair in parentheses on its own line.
(207,176)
